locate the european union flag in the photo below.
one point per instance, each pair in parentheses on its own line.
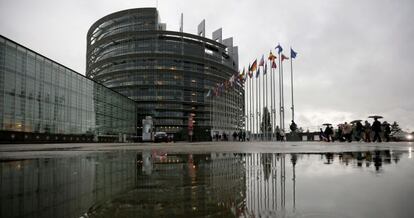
(279,49)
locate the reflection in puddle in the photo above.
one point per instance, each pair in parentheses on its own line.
(155,183)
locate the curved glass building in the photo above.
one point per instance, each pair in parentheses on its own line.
(168,73)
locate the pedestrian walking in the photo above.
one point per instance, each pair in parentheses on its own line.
(339,133)
(376,127)
(347,131)
(328,133)
(367,131)
(387,131)
(358,131)
(282,135)
(293,126)
(277,130)
(321,135)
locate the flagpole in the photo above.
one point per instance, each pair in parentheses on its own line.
(264,105)
(264,102)
(260,106)
(280,94)
(283,97)
(263,115)
(257,109)
(251,108)
(211,112)
(271,99)
(245,106)
(248,106)
(291,85)
(274,103)
(267,104)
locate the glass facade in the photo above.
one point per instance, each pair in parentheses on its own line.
(41,96)
(167,73)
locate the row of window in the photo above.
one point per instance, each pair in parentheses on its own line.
(129,22)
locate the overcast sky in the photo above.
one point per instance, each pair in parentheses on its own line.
(355,58)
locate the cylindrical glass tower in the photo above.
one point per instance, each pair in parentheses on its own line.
(167,73)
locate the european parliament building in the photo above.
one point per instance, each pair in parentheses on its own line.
(135,68)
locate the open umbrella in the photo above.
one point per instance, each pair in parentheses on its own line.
(375,116)
(327,124)
(355,121)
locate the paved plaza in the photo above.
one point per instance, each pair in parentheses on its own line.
(21,151)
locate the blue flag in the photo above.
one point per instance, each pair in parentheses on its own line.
(265,69)
(258,72)
(279,48)
(292,53)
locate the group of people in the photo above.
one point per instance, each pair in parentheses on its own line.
(237,136)
(357,131)
(240,136)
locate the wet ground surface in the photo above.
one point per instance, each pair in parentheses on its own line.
(207,179)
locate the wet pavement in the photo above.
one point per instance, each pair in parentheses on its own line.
(229,179)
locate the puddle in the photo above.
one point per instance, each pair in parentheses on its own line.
(161,184)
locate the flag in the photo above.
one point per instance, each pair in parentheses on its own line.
(242,75)
(254,66)
(284,57)
(232,80)
(209,93)
(261,63)
(279,48)
(221,88)
(271,56)
(258,72)
(292,53)
(274,66)
(265,69)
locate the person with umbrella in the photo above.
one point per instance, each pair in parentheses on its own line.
(328,133)
(376,127)
(339,133)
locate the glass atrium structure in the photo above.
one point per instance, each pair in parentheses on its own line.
(42,100)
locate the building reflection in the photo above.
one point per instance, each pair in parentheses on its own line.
(188,185)
(63,187)
(155,183)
